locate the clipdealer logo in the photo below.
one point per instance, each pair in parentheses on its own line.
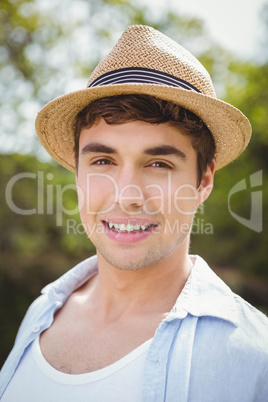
(255,221)
(50,198)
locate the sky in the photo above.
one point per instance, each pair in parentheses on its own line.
(233,23)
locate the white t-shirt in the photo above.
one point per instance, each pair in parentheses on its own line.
(36,380)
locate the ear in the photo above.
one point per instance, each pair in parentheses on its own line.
(206,184)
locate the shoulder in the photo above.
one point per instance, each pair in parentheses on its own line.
(226,322)
(243,344)
(37,309)
(234,355)
(55,294)
(252,327)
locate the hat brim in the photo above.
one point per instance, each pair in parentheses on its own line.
(55,122)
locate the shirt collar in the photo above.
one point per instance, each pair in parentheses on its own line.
(63,287)
(204,293)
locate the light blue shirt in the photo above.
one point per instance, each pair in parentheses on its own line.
(212,346)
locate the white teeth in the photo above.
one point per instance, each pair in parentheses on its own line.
(127,228)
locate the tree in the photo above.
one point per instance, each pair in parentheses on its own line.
(50,48)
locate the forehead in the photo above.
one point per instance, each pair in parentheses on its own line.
(137,134)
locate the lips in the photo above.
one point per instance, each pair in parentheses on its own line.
(125,230)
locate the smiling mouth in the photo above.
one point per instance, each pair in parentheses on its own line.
(128,228)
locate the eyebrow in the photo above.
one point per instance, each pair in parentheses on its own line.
(153,151)
(97,147)
(165,150)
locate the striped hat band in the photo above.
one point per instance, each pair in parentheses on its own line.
(138,75)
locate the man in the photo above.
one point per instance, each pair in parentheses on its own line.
(143,320)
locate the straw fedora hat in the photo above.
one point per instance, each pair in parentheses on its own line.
(145,61)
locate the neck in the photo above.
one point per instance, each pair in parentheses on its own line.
(117,292)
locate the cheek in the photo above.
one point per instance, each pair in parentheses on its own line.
(186,199)
(96,193)
(169,197)
(155,199)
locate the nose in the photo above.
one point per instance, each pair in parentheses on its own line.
(130,194)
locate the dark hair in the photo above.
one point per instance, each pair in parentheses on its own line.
(124,108)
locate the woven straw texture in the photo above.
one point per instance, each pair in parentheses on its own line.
(142,46)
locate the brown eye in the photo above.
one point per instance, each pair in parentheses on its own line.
(102,162)
(160,165)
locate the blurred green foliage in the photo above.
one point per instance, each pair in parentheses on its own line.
(39,54)
(34,248)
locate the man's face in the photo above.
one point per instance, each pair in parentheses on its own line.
(137,192)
